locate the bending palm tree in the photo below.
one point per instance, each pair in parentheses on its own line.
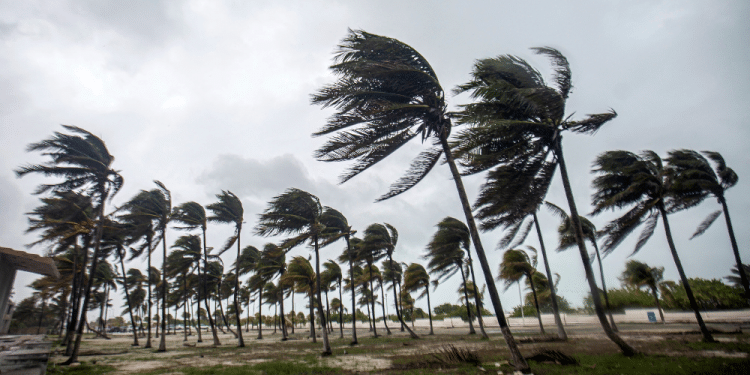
(694,180)
(385,237)
(351,254)
(272,263)
(567,240)
(299,212)
(415,278)
(639,274)
(300,272)
(333,275)
(387,95)
(85,163)
(641,181)
(229,210)
(515,265)
(192,215)
(517,122)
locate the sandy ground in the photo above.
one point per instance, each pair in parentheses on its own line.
(371,355)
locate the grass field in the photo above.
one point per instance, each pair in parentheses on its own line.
(664,352)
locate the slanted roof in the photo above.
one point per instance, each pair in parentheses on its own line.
(29,262)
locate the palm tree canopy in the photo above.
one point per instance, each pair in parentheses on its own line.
(336,226)
(445,250)
(61,218)
(228,210)
(640,274)
(191,215)
(640,182)
(148,211)
(515,121)
(331,274)
(301,272)
(272,261)
(515,265)
(386,94)
(392,273)
(295,212)
(416,278)
(379,241)
(566,232)
(82,160)
(248,260)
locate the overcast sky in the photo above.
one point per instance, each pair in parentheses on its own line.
(210,95)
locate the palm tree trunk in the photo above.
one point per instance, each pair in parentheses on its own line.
(275,317)
(127,298)
(658,305)
(372,301)
(198,311)
(328,314)
(735,249)
(312,316)
(148,281)
(429,308)
(519,362)
(294,312)
(382,298)
(41,316)
(399,315)
(184,308)
(689,291)
(626,349)
(341,308)
(241,343)
(354,294)
(326,344)
(205,292)
(466,299)
(163,342)
(90,281)
(283,318)
(555,309)
(536,304)
(476,298)
(73,313)
(604,288)
(260,314)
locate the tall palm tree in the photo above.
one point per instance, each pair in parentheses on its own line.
(388,94)
(566,235)
(84,162)
(385,237)
(334,276)
(515,265)
(370,253)
(639,274)
(339,228)
(517,122)
(642,183)
(191,216)
(229,210)
(115,236)
(299,213)
(416,278)
(503,203)
(248,262)
(301,273)
(446,254)
(272,263)
(694,180)
(351,254)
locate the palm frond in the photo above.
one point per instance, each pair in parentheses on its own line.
(706,223)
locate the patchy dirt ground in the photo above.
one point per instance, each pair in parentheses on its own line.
(386,354)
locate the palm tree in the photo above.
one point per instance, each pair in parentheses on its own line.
(84,162)
(370,253)
(625,179)
(272,263)
(115,236)
(191,216)
(415,278)
(503,203)
(299,213)
(385,237)
(352,255)
(229,210)
(340,228)
(183,261)
(515,265)
(446,254)
(332,275)
(734,278)
(639,274)
(566,235)
(388,94)
(694,180)
(517,121)
(300,272)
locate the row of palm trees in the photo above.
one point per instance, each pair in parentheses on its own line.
(387,94)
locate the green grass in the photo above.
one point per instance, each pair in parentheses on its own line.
(83,369)
(280,368)
(644,364)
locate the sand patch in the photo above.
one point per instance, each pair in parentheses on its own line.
(358,362)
